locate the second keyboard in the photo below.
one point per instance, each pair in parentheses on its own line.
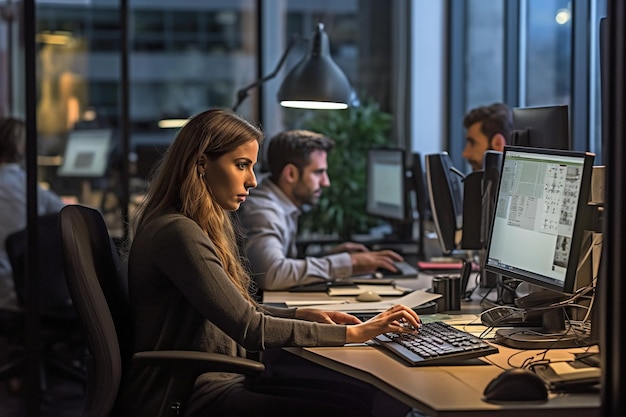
(405,270)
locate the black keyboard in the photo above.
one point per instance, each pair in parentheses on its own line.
(404,268)
(435,343)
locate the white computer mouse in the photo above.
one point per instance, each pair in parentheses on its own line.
(368,296)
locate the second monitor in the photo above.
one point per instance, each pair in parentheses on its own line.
(388,192)
(386,184)
(541,127)
(395,191)
(445,190)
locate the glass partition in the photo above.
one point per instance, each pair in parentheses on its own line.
(184,57)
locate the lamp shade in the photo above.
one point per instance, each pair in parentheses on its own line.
(316,82)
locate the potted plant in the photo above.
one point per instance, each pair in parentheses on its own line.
(341,209)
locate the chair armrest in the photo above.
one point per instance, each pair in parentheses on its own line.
(184,366)
(185,361)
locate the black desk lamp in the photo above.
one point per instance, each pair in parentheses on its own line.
(316,82)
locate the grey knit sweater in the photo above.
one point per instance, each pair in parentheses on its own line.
(182,299)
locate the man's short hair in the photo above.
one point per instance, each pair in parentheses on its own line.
(294,147)
(496,118)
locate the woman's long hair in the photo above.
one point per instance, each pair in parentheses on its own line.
(176,183)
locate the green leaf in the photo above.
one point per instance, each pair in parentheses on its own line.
(341,208)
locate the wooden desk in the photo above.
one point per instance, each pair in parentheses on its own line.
(442,390)
(445,390)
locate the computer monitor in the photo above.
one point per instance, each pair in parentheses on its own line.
(422,203)
(492,163)
(445,190)
(86,154)
(540,218)
(386,184)
(489,176)
(541,127)
(472,208)
(387,188)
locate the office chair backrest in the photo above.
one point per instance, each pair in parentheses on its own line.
(54,297)
(100,293)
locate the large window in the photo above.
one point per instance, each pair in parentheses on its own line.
(185,56)
(189,55)
(598,11)
(364,55)
(526,53)
(484,60)
(546,53)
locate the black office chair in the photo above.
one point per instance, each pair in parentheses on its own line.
(100,292)
(62,341)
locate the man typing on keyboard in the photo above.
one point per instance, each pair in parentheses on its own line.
(298,173)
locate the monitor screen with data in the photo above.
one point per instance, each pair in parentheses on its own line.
(540,216)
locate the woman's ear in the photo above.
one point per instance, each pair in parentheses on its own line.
(201,165)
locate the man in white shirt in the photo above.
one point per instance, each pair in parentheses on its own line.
(13,200)
(298,174)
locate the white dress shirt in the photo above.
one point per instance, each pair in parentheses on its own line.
(270,221)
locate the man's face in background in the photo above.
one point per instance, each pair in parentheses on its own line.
(476,143)
(313,178)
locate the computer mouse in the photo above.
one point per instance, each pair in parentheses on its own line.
(381,273)
(368,296)
(516,384)
(378,275)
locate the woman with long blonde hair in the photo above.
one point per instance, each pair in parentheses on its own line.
(189,289)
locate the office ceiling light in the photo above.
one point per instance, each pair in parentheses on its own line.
(316,82)
(172,123)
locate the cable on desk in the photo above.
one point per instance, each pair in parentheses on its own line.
(487,359)
(467,296)
(527,360)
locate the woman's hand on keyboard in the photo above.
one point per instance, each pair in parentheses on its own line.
(398,319)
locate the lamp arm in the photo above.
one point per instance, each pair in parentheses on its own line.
(242,93)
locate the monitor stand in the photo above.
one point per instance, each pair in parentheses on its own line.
(553,334)
(401,239)
(401,232)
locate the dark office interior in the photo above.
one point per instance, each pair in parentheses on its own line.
(117,72)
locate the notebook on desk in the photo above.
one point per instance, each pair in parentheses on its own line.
(381,290)
(413,299)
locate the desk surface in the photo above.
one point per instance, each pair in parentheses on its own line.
(440,390)
(444,390)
